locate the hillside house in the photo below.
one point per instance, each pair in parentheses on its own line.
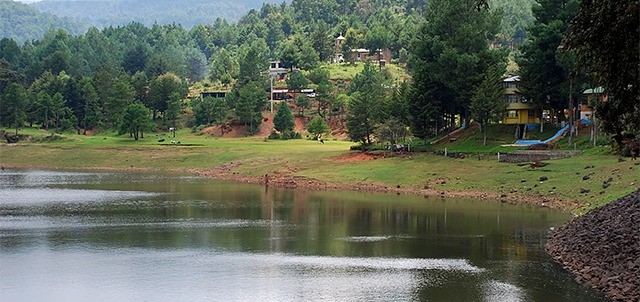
(589,98)
(276,71)
(519,110)
(360,54)
(213,94)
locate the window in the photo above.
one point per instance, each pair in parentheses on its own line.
(507,85)
(532,113)
(512,98)
(512,113)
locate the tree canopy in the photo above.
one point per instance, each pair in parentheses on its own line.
(135,119)
(606,36)
(449,56)
(283,120)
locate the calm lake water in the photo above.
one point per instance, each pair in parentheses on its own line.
(72,236)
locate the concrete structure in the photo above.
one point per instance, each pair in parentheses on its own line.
(339,57)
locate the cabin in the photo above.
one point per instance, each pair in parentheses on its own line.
(360,54)
(589,98)
(280,94)
(213,94)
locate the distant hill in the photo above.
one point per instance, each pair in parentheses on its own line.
(101,13)
(22,22)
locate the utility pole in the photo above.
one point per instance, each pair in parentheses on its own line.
(271,75)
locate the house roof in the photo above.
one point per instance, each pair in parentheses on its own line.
(594,90)
(512,79)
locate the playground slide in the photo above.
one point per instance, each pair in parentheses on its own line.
(528,142)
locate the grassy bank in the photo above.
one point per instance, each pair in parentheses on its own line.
(332,162)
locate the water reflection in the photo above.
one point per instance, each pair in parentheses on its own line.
(67,236)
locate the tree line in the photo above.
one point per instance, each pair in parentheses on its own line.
(91,80)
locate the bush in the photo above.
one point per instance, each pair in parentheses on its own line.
(198,128)
(286,135)
(274,135)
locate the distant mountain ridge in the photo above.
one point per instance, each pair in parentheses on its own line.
(22,22)
(102,13)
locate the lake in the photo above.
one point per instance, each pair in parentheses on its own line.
(85,236)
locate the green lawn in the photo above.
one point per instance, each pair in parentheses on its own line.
(308,158)
(348,71)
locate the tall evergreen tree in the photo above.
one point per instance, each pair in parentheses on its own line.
(322,41)
(606,35)
(135,119)
(251,101)
(366,105)
(544,70)
(93,116)
(283,120)
(488,104)
(162,90)
(12,106)
(449,55)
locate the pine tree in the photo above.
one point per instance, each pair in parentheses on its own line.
(283,120)
(12,106)
(488,104)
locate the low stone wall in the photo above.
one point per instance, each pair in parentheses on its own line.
(522,156)
(602,248)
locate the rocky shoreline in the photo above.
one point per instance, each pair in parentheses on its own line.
(602,248)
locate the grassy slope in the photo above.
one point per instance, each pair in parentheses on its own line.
(314,160)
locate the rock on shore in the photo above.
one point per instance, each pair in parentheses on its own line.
(602,248)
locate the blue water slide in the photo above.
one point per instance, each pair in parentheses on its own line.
(529,142)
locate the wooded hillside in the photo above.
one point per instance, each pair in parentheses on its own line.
(22,22)
(148,12)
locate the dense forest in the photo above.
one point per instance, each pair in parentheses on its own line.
(135,78)
(22,22)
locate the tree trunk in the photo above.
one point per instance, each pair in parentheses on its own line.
(484,132)
(320,111)
(541,118)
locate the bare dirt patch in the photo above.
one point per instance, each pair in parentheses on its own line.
(355,157)
(231,128)
(286,179)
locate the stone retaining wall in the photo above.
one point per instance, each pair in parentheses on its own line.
(521,156)
(602,248)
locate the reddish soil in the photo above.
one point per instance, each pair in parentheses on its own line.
(231,129)
(267,125)
(285,178)
(235,129)
(301,123)
(354,157)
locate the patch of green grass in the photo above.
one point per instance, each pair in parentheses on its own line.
(320,161)
(348,71)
